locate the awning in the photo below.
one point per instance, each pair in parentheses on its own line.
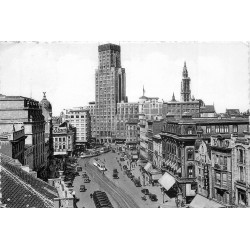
(59,153)
(167,181)
(200,201)
(148,166)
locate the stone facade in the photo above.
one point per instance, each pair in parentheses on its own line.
(26,112)
(131,131)
(179,137)
(80,119)
(64,139)
(12,144)
(125,112)
(241,171)
(91,108)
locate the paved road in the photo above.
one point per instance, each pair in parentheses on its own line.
(121,198)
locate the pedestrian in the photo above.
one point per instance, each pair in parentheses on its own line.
(91,196)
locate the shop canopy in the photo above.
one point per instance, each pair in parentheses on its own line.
(167,181)
(200,201)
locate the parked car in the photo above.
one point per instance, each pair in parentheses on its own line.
(122,159)
(137,182)
(79,169)
(115,171)
(85,176)
(153,197)
(86,180)
(69,184)
(145,191)
(115,176)
(82,188)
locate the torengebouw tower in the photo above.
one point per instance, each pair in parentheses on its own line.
(110,89)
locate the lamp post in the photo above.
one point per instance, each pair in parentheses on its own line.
(162,191)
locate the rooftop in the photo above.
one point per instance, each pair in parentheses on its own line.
(207,109)
(20,189)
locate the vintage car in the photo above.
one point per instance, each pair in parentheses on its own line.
(82,188)
(86,180)
(153,197)
(145,191)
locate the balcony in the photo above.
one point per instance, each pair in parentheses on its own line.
(221,186)
(220,167)
(241,182)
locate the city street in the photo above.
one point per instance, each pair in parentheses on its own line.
(122,192)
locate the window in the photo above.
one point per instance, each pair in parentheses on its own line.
(208,129)
(190,154)
(190,171)
(225,160)
(224,179)
(189,131)
(217,178)
(221,129)
(240,155)
(235,128)
(217,129)
(241,174)
(226,129)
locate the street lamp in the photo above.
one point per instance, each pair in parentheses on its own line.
(162,191)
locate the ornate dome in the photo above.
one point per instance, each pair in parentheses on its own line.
(45,103)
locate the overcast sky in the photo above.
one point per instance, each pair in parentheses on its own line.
(218,71)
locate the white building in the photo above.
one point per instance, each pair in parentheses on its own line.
(79,118)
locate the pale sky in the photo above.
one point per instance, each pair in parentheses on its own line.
(66,71)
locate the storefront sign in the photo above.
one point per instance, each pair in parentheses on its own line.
(58,130)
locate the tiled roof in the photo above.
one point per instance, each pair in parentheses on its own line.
(21,189)
(207,109)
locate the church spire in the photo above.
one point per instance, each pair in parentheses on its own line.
(185,72)
(143,91)
(173,98)
(185,85)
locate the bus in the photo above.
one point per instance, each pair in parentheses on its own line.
(99,165)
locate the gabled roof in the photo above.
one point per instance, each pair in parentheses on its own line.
(207,109)
(21,189)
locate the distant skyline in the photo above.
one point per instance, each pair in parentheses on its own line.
(66,71)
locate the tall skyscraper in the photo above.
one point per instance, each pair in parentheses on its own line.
(110,88)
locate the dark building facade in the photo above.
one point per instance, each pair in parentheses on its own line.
(178,147)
